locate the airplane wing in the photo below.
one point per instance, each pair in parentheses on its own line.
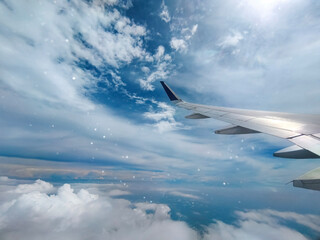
(302,130)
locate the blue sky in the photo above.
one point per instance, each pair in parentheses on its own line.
(81,102)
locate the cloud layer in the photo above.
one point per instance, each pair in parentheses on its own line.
(262,224)
(29,212)
(82,215)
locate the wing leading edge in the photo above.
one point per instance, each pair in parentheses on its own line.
(302,130)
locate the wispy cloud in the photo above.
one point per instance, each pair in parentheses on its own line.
(252,223)
(181,41)
(231,40)
(241,48)
(164,117)
(185,195)
(161,70)
(164,14)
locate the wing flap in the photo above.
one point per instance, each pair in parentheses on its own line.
(309,142)
(232,130)
(295,152)
(309,180)
(196,116)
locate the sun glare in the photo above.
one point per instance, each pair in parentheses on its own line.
(265,10)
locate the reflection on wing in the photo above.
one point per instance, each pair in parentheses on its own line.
(302,130)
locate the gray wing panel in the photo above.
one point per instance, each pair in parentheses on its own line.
(270,126)
(297,123)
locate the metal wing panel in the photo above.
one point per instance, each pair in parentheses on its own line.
(303,124)
(242,120)
(238,117)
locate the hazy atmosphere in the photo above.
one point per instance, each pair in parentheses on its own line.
(92,148)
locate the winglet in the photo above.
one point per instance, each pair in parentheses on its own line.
(170,93)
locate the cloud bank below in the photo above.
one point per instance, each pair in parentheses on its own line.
(31,210)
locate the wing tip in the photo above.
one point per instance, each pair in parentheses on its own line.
(172,96)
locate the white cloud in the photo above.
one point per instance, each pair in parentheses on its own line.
(38,186)
(190,32)
(57,91)
(261,224)
(194,29)
(185,195)
(164,15)
(273,217)
(231,40)
(178,44)
(145,69)
(180,192)
(164,118)
(117,192)
(159,53)
(273,58)
(161,71)
(166,113)
(4,179)
(82,215)
(73,31)
(181,42)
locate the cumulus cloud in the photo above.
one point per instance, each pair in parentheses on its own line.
(82,215)
(38,186)
(164,14)
(178,44)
